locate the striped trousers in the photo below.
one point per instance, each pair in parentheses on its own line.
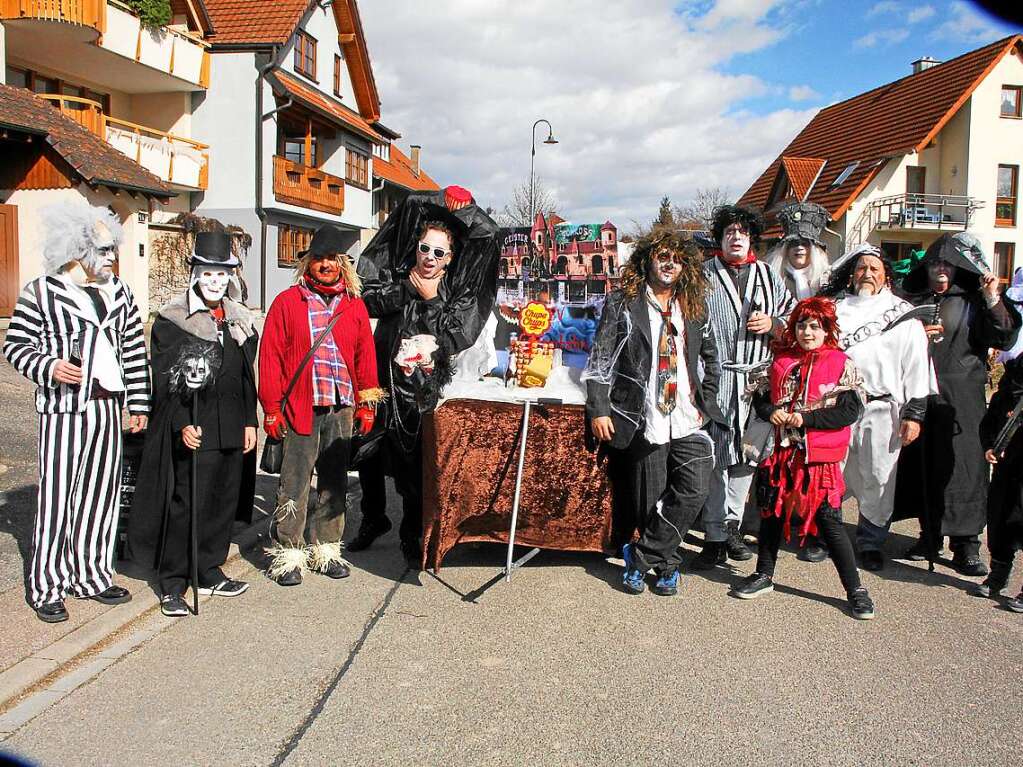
(79,499)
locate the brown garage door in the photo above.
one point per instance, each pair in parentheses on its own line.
(8,259)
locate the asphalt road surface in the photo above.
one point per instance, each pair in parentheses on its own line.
(559,667)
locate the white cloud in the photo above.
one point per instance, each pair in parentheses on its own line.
(881,37)
(967,25)
(922,13)
(885,6)
(802,93)
(633,90)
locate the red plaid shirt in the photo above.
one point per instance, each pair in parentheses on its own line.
(332,385)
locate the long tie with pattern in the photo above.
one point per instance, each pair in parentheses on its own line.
(667,365)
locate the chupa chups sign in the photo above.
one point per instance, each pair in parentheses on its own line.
(534,319)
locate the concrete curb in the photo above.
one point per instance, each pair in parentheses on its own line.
(43,664)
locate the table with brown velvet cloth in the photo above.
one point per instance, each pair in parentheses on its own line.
(470,460)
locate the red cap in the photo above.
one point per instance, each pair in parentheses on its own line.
(456,197)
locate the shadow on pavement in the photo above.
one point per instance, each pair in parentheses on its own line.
(17,519)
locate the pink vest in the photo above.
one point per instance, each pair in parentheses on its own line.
(826,366)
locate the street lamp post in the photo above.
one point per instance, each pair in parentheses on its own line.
(532,156)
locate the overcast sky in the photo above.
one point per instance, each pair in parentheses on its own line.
(647,97)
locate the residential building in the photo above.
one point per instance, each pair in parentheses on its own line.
(396,175)
(293,113)
(118,130)
(939,150)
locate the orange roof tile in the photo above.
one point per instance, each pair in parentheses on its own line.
(865,131)
(254,21)
(802,172)
(399,171)
(332,110)
(90,156)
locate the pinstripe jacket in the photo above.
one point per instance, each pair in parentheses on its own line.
(729,313)
(50,317)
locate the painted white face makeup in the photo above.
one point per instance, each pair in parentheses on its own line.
(99,262)
(213,283)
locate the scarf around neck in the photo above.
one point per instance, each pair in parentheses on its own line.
(751,257)
(328,291)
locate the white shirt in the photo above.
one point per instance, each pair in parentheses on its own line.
(800,281)
(685,418)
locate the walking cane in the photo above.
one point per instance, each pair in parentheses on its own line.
(194,510)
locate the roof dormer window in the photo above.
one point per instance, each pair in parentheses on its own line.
(305,55)
(846,172)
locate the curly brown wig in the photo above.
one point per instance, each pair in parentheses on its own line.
(692,287)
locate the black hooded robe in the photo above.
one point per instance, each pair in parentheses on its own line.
(225,409)
(1005,499)
(947,461)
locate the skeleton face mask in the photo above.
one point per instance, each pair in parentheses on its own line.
(99,261)
(197,372)
(212,281)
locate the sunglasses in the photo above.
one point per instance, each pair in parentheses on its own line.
(438,253)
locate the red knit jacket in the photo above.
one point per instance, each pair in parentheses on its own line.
(285,341)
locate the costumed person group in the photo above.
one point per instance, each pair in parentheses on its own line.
(77,334)
(203,351)
(748,304)
(968,318)
(811,396)
(317,385)
(645,395)
(430,280)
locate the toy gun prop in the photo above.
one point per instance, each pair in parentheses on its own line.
(1008,431)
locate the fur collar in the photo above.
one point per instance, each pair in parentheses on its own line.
(240,321)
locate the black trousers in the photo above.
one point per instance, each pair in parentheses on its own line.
(407,469)
(670,485)
(831,534)
(219,478)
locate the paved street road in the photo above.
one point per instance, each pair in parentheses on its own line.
(559,667)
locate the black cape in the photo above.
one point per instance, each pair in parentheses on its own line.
(155,483)
(947,461)
(455,317)
(1005,499)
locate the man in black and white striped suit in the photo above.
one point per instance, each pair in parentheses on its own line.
(77,333)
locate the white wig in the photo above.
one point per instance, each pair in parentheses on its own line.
(74,230)
(818,269)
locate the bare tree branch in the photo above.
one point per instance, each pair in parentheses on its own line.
(517,212)
(699,211)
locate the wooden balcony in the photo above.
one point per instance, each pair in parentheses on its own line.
(308,187)
(174,159)
(86,13)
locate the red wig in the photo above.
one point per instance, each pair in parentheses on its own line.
(816,308)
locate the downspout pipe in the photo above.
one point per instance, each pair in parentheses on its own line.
(260,212)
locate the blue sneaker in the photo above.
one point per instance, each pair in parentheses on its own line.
(667,584)
(632,578)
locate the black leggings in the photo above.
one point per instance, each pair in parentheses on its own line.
(830,532)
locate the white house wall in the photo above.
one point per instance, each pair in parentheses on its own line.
(132,267)
(320,25)
(995,141)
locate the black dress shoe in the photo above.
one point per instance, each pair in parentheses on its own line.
(969,564)
(52,612)
(712,555)
(115,595)
(918,551)
(735,546)
(290,578)
(369,531)
(413,554)
(872,560)
(337,570)
(813,551)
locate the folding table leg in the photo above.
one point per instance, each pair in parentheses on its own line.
(509,564)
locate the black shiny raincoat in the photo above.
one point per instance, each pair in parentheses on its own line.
(455,317)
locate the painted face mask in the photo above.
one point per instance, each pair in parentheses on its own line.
(100,260)
(213,282)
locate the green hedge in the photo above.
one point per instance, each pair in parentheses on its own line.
(153,13)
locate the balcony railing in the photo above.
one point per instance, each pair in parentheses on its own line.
(87,13)
(915,211)
(308,187)
(167,50)
(171,158)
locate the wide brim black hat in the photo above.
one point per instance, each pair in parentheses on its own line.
(328,240)
(214,249)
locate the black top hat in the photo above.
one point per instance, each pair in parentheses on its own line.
(328,240)
(803,221)
(214,249)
